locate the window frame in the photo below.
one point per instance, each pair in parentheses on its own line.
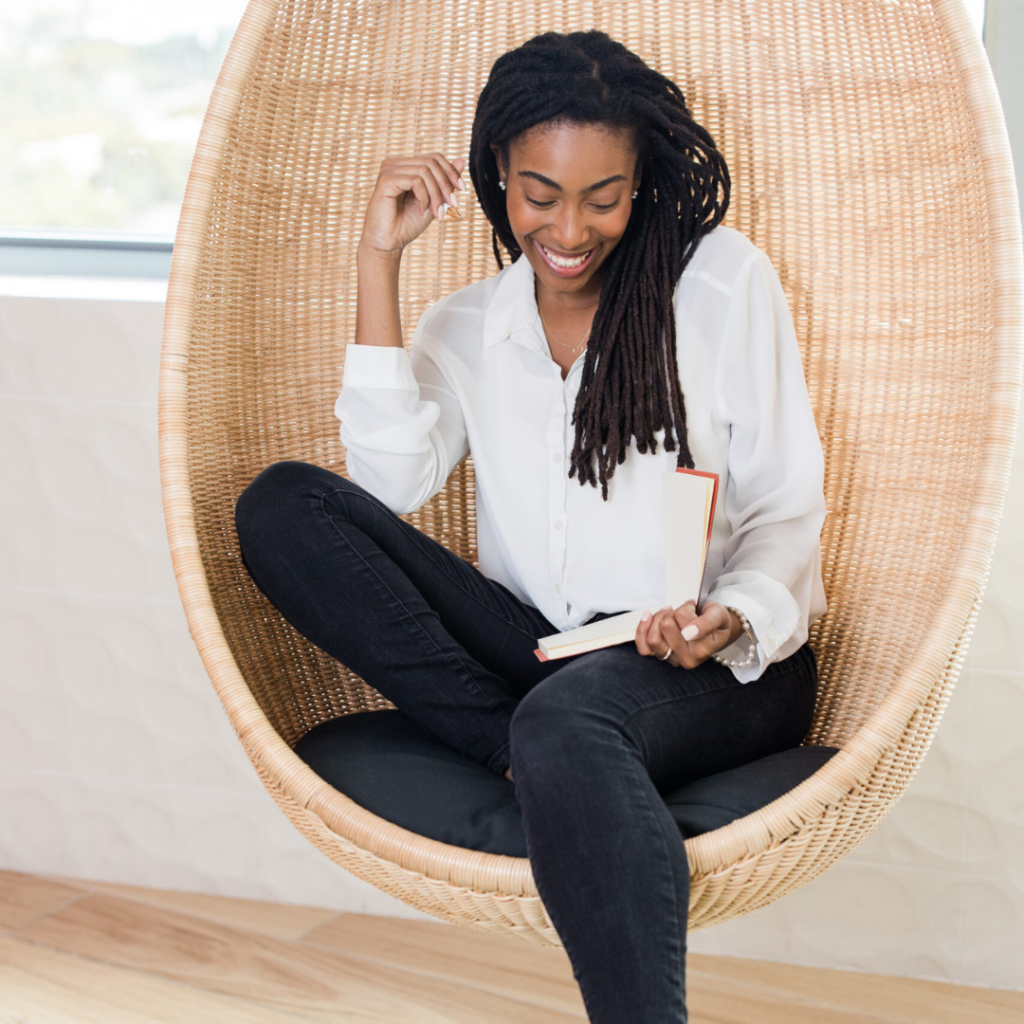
(83,254)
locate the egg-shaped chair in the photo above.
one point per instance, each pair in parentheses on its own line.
(869,159)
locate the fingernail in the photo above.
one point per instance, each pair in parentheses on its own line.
(454,198)
(459,185)
(647,617)
(441,210)
(690,632)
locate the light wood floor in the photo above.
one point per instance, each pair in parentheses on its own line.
(91,953)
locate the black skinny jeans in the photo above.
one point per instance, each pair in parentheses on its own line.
(592,740)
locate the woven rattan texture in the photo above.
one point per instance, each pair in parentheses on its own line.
(856,165)
(874,233)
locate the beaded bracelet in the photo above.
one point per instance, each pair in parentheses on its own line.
(751,640)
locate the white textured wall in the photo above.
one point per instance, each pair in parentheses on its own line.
(116,761)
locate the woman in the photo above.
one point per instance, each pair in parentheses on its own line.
(630,335)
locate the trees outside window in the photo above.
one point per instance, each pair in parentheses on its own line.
(101,102)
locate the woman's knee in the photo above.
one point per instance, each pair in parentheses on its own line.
(557,723)
(263,500)
(271,508)
(280,492)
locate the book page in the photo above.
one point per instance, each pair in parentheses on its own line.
(594,631)
(687,507)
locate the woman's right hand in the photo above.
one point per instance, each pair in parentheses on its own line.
(409,194)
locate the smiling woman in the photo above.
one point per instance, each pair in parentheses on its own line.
(644,137)
(566,223)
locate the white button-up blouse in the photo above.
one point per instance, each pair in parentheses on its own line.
(480,378)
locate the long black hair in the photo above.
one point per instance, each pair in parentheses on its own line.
(630,383)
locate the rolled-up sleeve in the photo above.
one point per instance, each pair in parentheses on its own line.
(401,423)
(774,496)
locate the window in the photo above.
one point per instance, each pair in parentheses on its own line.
(102,101)
(976,12)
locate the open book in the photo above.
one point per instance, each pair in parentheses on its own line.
(688,500)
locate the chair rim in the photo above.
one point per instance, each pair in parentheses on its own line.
(938,652)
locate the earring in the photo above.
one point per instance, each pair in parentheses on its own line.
(633,196)
(501,185)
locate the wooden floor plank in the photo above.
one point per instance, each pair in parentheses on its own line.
(40,986)
(282,920)
(23,897)
(889,999)
(83,952)
(495,963)
(717,1004)
(317,983)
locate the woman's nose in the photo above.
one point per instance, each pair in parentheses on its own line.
(570,230)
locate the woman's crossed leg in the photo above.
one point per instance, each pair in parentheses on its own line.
(593,741)
(450,647)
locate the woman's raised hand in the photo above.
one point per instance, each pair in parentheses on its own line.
(688,638)
(409,194)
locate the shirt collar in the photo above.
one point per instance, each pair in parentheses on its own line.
(512,311)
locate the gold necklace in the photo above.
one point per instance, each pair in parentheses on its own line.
(547,331)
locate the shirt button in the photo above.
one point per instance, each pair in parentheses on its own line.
(559,524)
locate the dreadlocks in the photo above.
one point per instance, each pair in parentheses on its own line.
(630,383)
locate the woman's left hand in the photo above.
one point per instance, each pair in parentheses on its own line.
(687,638)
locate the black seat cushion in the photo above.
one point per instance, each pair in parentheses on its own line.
(401,772)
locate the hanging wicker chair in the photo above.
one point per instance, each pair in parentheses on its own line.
(869,159)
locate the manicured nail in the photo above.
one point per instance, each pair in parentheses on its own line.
(459,185)
(441,210)
(647,617)
(454,198)
(690,632)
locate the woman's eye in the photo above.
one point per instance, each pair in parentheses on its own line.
(550,202)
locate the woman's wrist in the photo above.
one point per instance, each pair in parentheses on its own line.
(741,628)
(369,256)
(378,318)
(737,627)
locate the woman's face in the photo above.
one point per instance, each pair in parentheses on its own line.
(568,190)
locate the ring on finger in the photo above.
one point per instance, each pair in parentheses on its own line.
(665,657)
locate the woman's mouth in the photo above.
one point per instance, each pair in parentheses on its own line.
(565,266)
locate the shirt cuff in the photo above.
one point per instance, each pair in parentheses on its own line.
(771,628)
(378,366)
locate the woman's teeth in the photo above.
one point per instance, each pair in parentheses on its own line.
(561,261)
